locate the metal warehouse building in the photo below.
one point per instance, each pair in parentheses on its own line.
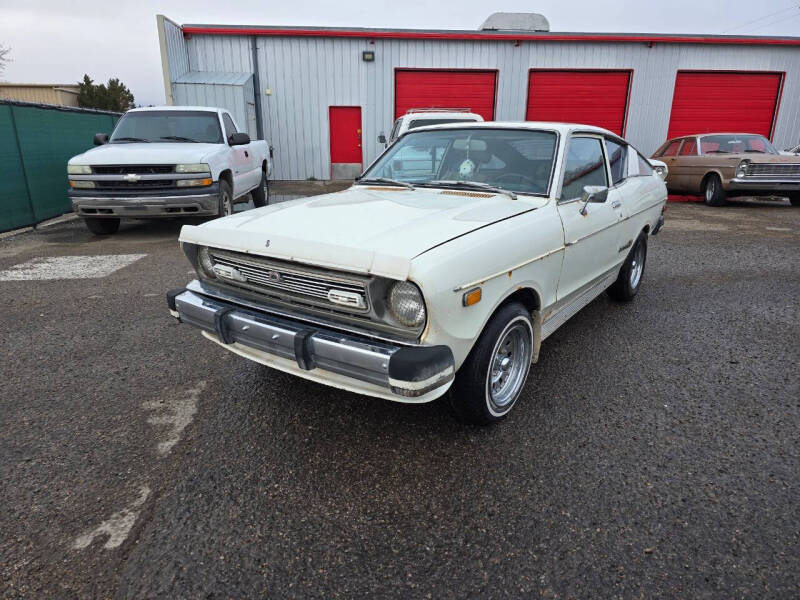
(322,96)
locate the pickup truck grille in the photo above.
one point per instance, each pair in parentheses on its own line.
(137,169)
(145,184)
(782,170)
(291,282)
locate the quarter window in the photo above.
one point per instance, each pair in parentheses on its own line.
(230,128)
(645,168)
(616,160)
(585,165)
(672,149)
(689,147)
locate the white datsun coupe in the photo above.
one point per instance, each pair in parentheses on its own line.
(443,268)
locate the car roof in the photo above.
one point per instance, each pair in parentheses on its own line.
(688,135)
(563,128)
(176,108)
(438,114)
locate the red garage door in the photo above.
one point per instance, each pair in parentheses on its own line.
(724,102)
(592,97)
(474,90)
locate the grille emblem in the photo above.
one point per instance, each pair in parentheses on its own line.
(132,177)
(227,272)
(344,298)
(274,276)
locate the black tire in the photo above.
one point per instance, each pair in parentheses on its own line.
(713,193)
(470,396)
(629,281)
(794,199)
(225,206)
(261,193)
(101,226)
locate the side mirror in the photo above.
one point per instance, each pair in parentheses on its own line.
(100,139)
(238,139)
(381,139)
(593,193)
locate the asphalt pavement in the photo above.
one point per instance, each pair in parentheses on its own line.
(654,452)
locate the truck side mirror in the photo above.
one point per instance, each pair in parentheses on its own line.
(381,139)
(238,139)
(100,139)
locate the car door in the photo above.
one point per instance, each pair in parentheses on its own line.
(242,159)
(591,236)
(689,166)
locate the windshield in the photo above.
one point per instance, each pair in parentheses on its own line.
(168,126)
(736,144)
(425,122)
(518,160)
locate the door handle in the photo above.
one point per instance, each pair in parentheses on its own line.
(616,204)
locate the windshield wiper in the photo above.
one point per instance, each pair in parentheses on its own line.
(475,185)
(386,180)
(178,138)
(129,139)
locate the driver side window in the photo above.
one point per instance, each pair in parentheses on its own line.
(585,165)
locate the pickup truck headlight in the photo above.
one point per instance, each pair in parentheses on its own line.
(79,170)
(741,170)
(406,304)
(193,168)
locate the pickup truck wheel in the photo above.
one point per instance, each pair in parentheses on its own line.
(225,199)
(102,226)
(712,191)
(261,193)
(794,199)
(491,379)
(630,275)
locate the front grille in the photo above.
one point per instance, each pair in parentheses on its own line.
(289,281)
(145,184)
(137,169)
(791,170)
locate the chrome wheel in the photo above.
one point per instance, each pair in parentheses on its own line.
(508,368)
(227,204)
(637,266)
(711,188)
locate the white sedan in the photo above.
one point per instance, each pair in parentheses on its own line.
(443,268)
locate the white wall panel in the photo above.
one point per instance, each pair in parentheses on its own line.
(306,75)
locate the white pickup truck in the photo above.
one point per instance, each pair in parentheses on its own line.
(169,161)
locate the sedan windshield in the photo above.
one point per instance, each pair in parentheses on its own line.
(167,126)
(736,144)
(514,160)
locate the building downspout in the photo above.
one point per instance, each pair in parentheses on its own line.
(162,45)
(257,90)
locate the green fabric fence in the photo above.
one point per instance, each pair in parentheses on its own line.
(36,141)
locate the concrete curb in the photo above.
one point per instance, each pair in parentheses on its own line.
(66,218)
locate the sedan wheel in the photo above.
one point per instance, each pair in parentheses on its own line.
(713,192)
(492,377)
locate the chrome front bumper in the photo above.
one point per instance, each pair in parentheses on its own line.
(763,186)
(90,203)
(360,364)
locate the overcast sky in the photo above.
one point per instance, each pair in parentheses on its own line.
(53,41)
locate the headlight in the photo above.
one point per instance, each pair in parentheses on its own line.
(79,170)
(206,263)
(81,184)
(406,304)
(741,170)
(193,182)
(660,171)
(193,168)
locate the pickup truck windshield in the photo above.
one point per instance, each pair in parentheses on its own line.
(168,126)
(517,160)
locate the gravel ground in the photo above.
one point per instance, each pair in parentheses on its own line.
(654,452)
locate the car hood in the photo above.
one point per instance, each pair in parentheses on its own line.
(143,153)
(361,229)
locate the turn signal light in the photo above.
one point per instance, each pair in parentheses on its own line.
(472,297)
(194,182)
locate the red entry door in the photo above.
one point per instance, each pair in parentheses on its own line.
(345,124)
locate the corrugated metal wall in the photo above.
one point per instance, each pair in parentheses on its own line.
(57,95)
(232,97)
(307,75)
(177,53)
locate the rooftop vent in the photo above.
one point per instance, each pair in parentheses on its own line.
(503,21)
